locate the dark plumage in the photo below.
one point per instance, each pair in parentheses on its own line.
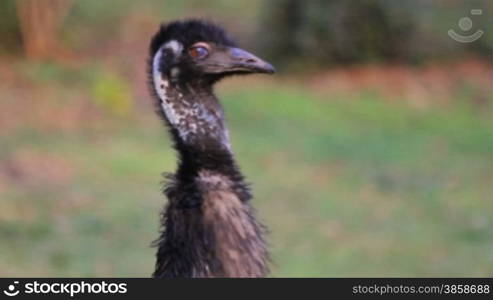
(208,226)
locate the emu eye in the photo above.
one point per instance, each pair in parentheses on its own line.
(198,52)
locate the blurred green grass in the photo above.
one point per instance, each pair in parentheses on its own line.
(356,186)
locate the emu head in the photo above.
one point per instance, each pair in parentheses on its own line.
(195,51)
(186,59)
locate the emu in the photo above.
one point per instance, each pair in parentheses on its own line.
(208,227)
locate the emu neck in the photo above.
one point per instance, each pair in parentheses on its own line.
(196,114)
(197,125)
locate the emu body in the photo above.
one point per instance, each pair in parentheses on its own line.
(209,227)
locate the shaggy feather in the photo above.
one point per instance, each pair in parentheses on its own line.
(209,228)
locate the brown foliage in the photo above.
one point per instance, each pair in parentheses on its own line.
(40,22)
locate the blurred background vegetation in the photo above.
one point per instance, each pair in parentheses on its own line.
(370,152)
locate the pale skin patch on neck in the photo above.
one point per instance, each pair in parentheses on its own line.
(175,46)
(160,80)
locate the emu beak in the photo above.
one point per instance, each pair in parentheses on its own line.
(241,61)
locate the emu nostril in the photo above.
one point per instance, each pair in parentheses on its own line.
(251,61)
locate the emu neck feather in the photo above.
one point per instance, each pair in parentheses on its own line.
(193,111)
